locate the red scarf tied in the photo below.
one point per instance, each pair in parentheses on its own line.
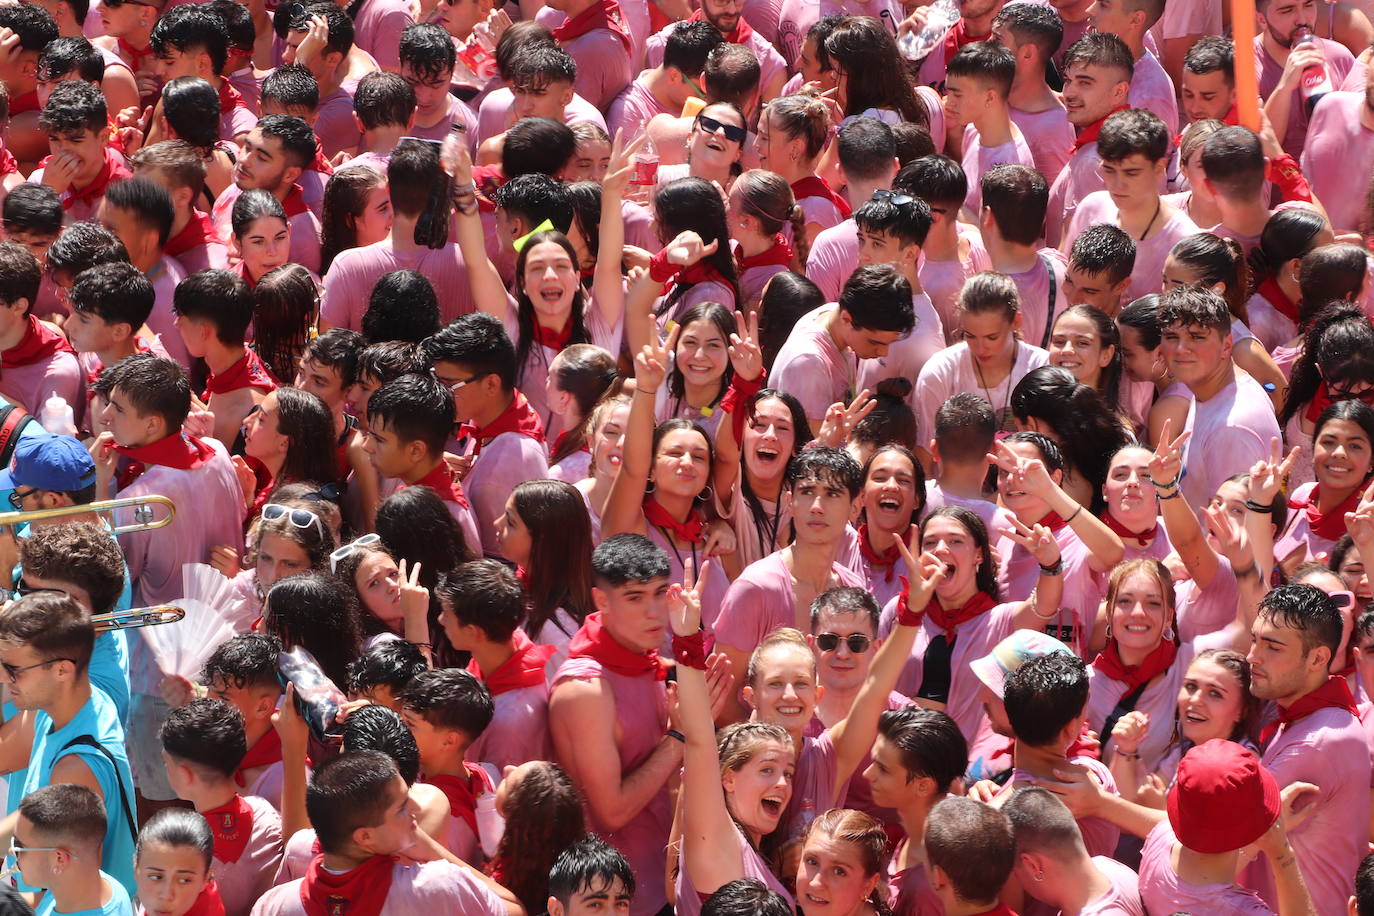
(1322,400)
(39,343)
(26,102)
(247,372)
(739,36)
(1271,291)
(1335,693)
(1090,133)
(691,530)
(462,793)
(815,186)
(294,202)
(208,902)
(229,98)
(554,339)
(594,641)
(133,55)
(950,619)
(321,163)
(518,417)
(887,559)
(265,751)
(780,255)
(1109,663)
(232,826)
(523,669)
(445,483)
(1328,525)
(603,15)
(360,892)
(1053,521)
(1147,535)
(113,169)
(179,451)
(198,232)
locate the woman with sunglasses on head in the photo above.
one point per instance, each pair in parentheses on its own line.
(290,536)
(394,604)
(288,437)
(714,147)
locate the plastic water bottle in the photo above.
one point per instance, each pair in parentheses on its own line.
(941,17)
(490,824)
(57,417)
(1316,81)
(646,165)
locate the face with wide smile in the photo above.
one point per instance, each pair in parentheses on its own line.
(1341,455)
(785,691)
(954,545)
(1139,614)
(1076,346)
(550,279)
(702,352)
(1210,701)
(759,791)
(889,494)
(708,147)
(769,439)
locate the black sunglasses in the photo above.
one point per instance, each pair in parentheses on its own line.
(858,643)
(711,125)
(892,197)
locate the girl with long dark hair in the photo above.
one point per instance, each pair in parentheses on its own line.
(580,377)
(285,304)
(690,273)
(1275,308)
(290,437)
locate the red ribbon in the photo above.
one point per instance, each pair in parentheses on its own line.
(692,651)
(740,390)
(133,55)
(198,231)
(232,826)
(888,558)
(294,202)
(8,164)
(594,641)
(39,343)
(523,669)
(248,372)
(603,15)
(360,892)
(815,186)
(266,750)
(1090,133)
(1335,693)
(1111,522)
(518,417)
(1109,662)
(1328,525)
(445,483)
(1053,521)
(690,530)
(780,255)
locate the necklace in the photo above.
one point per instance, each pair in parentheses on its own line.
(987,392)
(1159,205)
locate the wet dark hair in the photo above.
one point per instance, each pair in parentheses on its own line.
(929,744)
(863,45)
(789,296)
(1331,273)
(402,306)
(378,728)
(624,558)
(695,204)
(1337,347)
(191,107)
(284,303)
(390,663)
(320,614)
(1287,235)
(590,863)
(827,465)
(1044,695)
(1307,609)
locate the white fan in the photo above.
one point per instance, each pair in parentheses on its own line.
(201,582)
(181,648)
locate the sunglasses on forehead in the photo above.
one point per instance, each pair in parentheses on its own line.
(732,133)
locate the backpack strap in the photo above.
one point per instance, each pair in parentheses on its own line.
(13,421)
(88,741)
(1049,309)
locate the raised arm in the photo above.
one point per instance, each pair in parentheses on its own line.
(488,291)
(746,358)
(1043,604)
(1266,485)
(608,288)
(624,506)
(1180,521)
(641,328)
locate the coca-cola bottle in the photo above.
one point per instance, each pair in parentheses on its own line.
(1316,81)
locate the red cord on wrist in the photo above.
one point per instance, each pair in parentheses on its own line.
(692,651)
(740,390)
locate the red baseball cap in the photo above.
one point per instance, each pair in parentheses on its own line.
(1222,798)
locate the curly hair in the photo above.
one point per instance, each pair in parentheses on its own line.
(543,817)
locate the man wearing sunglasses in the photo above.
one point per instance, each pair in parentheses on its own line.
(56,846)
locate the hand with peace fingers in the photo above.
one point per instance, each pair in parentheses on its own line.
(1229,533)
(622,164)
(1166,464)
(1026,474)
(745,355)
(1037,540)
(840,419)
(1360,523)
(1267,478)
(684,600)
(414,596)
(651,364)
(688,248)
(924,573)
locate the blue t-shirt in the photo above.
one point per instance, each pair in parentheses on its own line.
(117,905)
(98,720)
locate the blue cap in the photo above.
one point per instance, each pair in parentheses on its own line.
(58,463)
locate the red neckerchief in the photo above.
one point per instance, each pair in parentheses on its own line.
(39,342)
(26,102)
(518,417)
(603,15)
(265,751)
(949,620)
(888,558)
(700,272)
(1334,693)
(462,793)
(198,231)
(958,37)
(1271,290)
(178,451)
(1322,400)
(488,178)
(595,641)
(1329,525)
(742,33)
(558,443)
(112,170)
(1109,662)
(247,372)
(690,530)
(321,163)
(554,340)
(294,202)
(815,186)
(8,164)
(208,902)
(232,826)
(1090,133)
(133,55)
(360,892)
(523,669)
(1053,521)
(241,268)
(780,255)
(1142,536)
(229,98)
(263,483)
(445,483)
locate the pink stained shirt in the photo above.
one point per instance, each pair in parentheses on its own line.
(762,600)
(242,882)
(60,374)
(944,280)
(493,112)
(952,370)
(1271,327)
(305,228)
(1122,898)
(1050,136)
(833,257)
(1099,836)
(1298,536)
(212,255)
(633,109)
(910,890)
(1187,17)
(603,67)
(1293,135)
(771,63)
(458,113)
(1153,90)
(997,520)
(575,467)
(813,786)
(1163,891)
(349,283)
(1078,179)
(334,124)
(753,281)
(248,86)
(534,373)
(812,368)
(165,276)
(717,583)
(1073,30)
(689,899)
(641,720)
(907,356)
(1020,571)
(1231,431)
(519,729)
(979,159)
(1150,254)
(795,17)
(269,783)
(506,461)
(235,122)
(433,887)
(697,293)
(752,540)
(1339,144)
(377,28)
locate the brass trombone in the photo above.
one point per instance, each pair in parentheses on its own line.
(137,617)
(142,506)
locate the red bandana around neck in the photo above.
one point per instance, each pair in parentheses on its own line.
(523,669)
(208,902)
(815,186)
(518,417)
(247,372)
(1109,662)
(1111,522)
(555,340)
(133,55)
(179,451)
(602,15)
(950,619)
(198,231)
(1093,130)
(321,163)
(780,255)
(39,343)
(742,33)
(958,37)
(594,641)
(359,892)
(1053,521)
(1322,400)
(445,483)
(294,202)
(232,826)
(266,750)
(1335,693)
(1328,525)
(692,530)
(462,793)
(558,443)
(1271,290)
(113,169)
(887,559)
(229,98)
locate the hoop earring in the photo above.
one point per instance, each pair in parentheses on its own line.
(649,488)
(706,494)
(1169,633)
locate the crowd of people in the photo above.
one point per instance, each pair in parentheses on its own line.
(699,456)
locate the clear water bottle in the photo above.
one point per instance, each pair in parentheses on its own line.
(1316,81)
(57,417)
(941,17)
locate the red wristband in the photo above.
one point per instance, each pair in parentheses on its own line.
(906,617)
(740,390)
(691,651)
(661,270)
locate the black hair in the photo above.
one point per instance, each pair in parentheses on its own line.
(909,222)
(1135,130)
(1337,346)
(117,293)
(536,65)
(1364,887)
(238,22)
(206,732)
(379,728)
(153,385)
(624,558)
(177,828)
(1019,198)
(1307,609)
(1034,23)
(190,27)
(421,188)
(246,660)
(291,86)
(938,180)
(74,108)
(296,138)
(695,204)
(477,341)
(537,146)
(318,613)
(1102,49)
(535,197)
(220,297)
(988,61)
(148,201)
(1143,316)
(1234,162)
(1287,235)
(341,32)
(338,348)
(347,793)
(389,663)
(688,45)
(828,465)
(390,360)
(929,743)
(33,208)
(415,407)
(789,296)
(20,275)
(427,49)
(32,23)
(1105,250)
(878,298)
(1044,695)
(1210,54)
(965,427)
(83,245)
(284,300)
(383,99)
(450,698)
(845,599)
(865,147)
(402,306)
(591,862)
(191,107)
(485,594)
(745,897)
(71,54)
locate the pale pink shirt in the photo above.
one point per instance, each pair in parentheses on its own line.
(1339,62)
(751,540)
(1152,90)
(534,374)
(1231,431)
(575,467)
(435,887)
(506,461)
(296,856)
(378,161)
(165,276)
(1182,18)
(1100,836)
(1163,891)
(269,783)
(458,113)
(1077,614)
(641,716)
(248,86)
(1150,254)
(634,108)
(242,882)
(1298,536)
(213,255)
(348,285)
(762,600)
(377,28)
(603,66)
(1122,898)
(821,211)
(795,17)
(519,729)
(712,593)
(1078,179)
(1271,327)
(771,64)
(305,228)
(1037,288)
(951,371)
(334,125)
(1050,136)
(996,520)
(944,280)
(59,374)
(236,121)
(833,257)
(492,114)
(753,280)
(979,159)
(813,786)
(1339,147)
(696,294)
(907,356)
(689,899)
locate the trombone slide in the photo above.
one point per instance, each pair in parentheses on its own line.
(145,518)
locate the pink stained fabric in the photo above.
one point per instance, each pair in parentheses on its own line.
(234,123)
(435,887)
(603,67)
(1339,144)
(641,714)
(269,783)
(1123,898)
(575,467)
(1339,62)
(751,540)
(458,113)
(378,161)
(911,892)
(31,385)
(996,519)
(1298,537)
(635,107)
(334,125)
(717,583)
(667,407)
(1020,571)
(1050,136)
(859,794)
(1078,179)
(834,255)
(752,866)
(908,356)
(1153,90)
(820,211)
(1150,254)
(1163,891)
(762,600)
(165,276)
(1231,431)
(811,367)
(495,108)
(697,293)
(795,17)
(813,785)
(354,272)
(753,280)
(212,255)
(377,28)
(296,856)
(944,280)
(1271,327)
(1034,288)
(880,586)
(951,371)
(1099,836)
(241,883)
(979,159)
(506,461)
(248,86)
(80,211)
(519,729)
(1187,17)
(558,632)
(1073,30)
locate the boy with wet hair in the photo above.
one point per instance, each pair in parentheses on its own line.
(39,362)
(82,164)
(1100,265)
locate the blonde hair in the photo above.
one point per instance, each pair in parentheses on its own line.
(1147,566)
(789,637)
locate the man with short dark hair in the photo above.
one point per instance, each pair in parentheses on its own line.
(1285,48)
(82,164)
(39,363)
(588,878)
(970,850)
(191,41)
(1033,33)
(427,60)
(597,35)
(1131,21)
(57,842)
(664,89)
(727,18)
(1208,86)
